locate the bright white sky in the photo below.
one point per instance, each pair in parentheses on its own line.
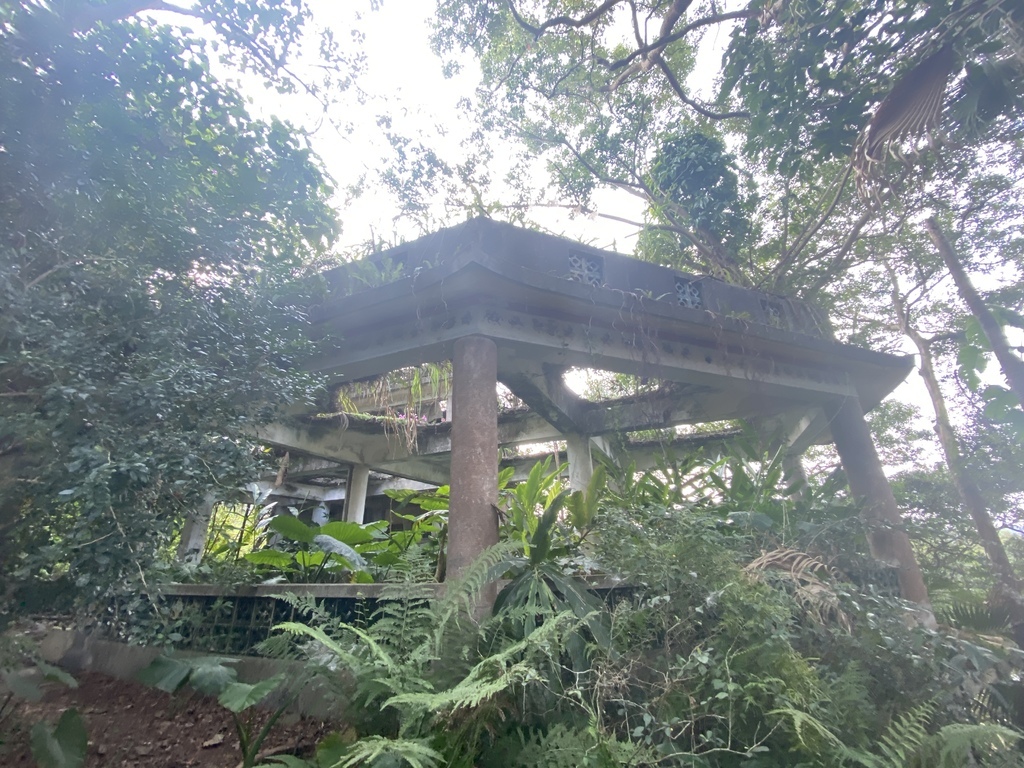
(403,79)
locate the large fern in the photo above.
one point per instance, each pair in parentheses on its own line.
(434,676)
(907,743)
(377,750)
(494,674)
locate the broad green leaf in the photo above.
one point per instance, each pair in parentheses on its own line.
(63,746)
(332,748)
(165,673)
(23,686)
(345,532)
(271,557)
(310,559)
(50,672)
(212,675)
(292,528)
(335,547)
(238,697)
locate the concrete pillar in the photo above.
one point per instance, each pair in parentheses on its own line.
(888,541)
(194,531)
(794,475)
(355,493)
(472,521)
(581,461)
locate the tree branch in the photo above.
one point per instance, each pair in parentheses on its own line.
(562,21)
(663,42)
(697,107)
(90,15)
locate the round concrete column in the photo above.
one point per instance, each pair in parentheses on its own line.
(355,493)
(889,542)
(581,461)
(472,521)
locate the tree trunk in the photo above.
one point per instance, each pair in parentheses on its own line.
(888,541)
(967,489)
(1012,366)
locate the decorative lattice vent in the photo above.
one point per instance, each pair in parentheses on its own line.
(586,269)
(689,293)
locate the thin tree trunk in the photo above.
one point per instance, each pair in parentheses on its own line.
(888,541)
(1013,366)
(966,488)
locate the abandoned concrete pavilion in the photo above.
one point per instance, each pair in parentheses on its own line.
(520,308)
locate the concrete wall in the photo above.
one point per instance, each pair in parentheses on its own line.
(78,652)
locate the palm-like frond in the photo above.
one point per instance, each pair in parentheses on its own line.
(809,582)
(988,36)
(910,111)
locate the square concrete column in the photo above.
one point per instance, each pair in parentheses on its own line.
(581,461)
(472,520)
(888,541)
(355,493)
(195,530)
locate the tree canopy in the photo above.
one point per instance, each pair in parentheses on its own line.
(150,230)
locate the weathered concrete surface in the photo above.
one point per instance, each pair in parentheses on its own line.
(581,461)
(124,662)
(472,520)
(358,485)
(195,530)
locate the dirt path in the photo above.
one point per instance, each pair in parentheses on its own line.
(132,726)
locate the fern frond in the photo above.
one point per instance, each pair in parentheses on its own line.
(494,674)
(416,753)
(350,659)
(805,724)
(980,618)
(405,619)
(905,736)
(463,594)
(956,744)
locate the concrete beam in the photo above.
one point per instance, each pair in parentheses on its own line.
(543,389)
(431,470)
(302,492)
(333,441)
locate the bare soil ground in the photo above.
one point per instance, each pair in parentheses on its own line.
(133,726)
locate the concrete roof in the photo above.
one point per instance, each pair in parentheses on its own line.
(735,353)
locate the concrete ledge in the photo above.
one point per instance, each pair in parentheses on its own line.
(352,591)
(80,652)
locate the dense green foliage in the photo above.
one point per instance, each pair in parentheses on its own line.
(731,646)
(150,232)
